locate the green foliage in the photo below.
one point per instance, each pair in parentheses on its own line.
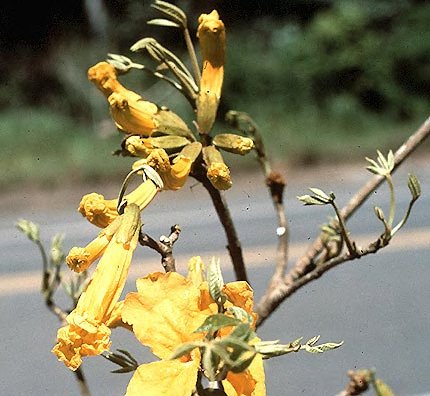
(43,147)
(355,56)
(354,74)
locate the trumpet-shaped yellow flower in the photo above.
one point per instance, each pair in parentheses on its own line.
(131,113)
(211,34)
(101,212)
(175,175)
(164,313)
(87,332)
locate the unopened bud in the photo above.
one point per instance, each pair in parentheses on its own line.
(233,143)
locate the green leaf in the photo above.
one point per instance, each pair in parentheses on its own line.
(208,364)
(313,340)
(379,213)
(310,200)
(242,364)
(57,254)
(273,350)
(311,348)
(163,22)
(243,332)
(235,343)
(320,194)
(171,10)
(414,186)
(30,229)
(240,314)
(185,349)
(215,281)
(296,342)
(328,346)
(215,322)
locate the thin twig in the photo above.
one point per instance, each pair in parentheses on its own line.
(304,270)
(276,184)
(164,246)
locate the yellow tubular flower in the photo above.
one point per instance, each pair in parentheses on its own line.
(79,259)
(98,210)
(173,176)
(101,212)
(164,313)
(211,34)
(87,333)
(131,113)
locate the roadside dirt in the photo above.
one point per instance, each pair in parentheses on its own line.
(68,194)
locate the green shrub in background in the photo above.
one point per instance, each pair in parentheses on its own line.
(353,73)
(355,68)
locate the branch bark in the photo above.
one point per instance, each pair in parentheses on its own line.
(304,269)
(164,246)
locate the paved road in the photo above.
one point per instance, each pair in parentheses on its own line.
(379,305)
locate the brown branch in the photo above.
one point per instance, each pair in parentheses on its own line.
(234,247)
(164,246)
(305,270)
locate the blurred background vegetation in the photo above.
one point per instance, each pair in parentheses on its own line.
(325,80)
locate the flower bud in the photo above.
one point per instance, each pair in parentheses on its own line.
(211,34)
(218,172)
(233,143)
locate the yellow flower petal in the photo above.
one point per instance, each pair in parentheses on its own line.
(131,113)
(167,378)
(164,312)
(173,176)
(104,76)
(211,34)
(101,212)
(143,195)
(97,210)
(87,333)
(76,341)
(79,259)
(251,382)
(219,175)
(115,318)
(196,270)
(178,175)
(241,295)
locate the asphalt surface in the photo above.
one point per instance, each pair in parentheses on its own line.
(378,305)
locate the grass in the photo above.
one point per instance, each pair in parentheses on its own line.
(41,147)
(45,148)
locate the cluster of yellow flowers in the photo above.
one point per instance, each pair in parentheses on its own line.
(167,307)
